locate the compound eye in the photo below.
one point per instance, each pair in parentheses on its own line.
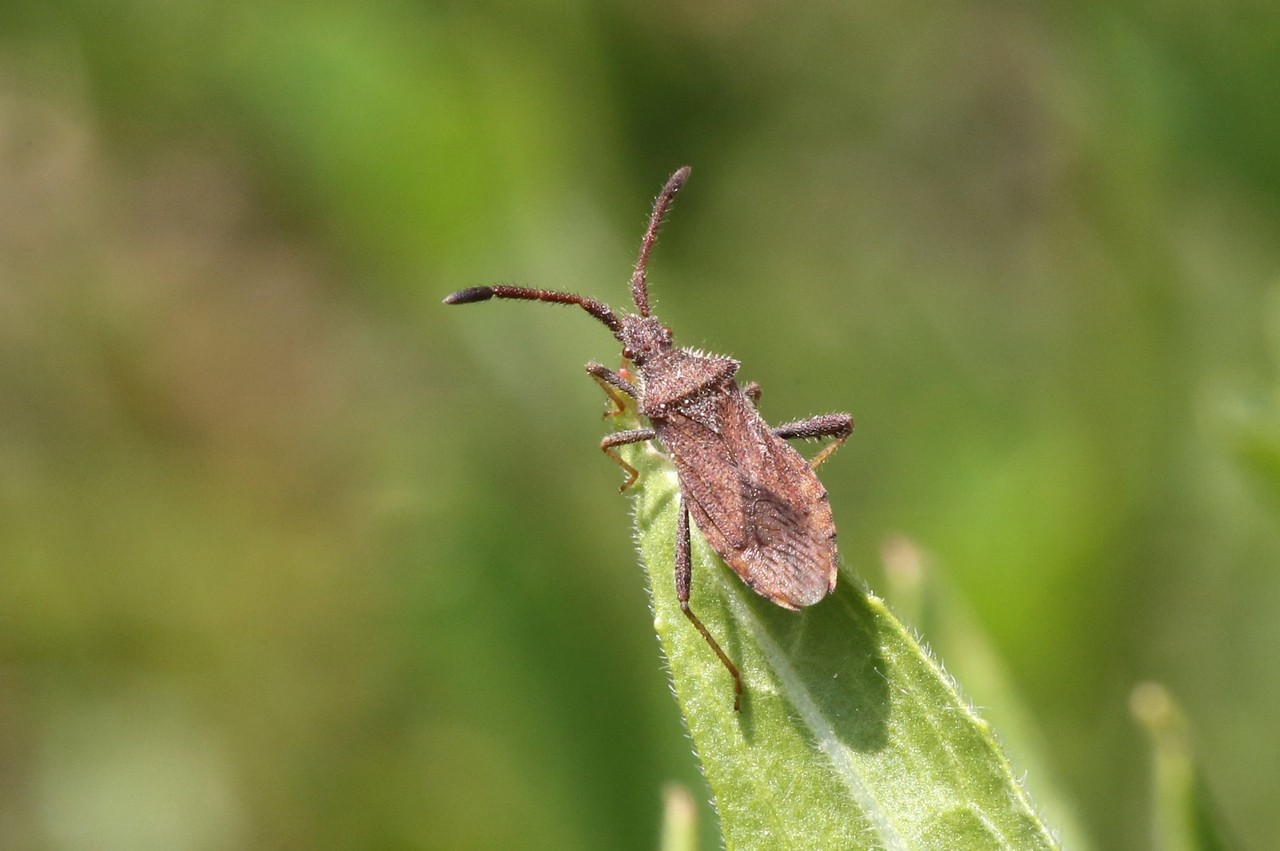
(627,353)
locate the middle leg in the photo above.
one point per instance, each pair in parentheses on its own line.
(838,426)
(622,438)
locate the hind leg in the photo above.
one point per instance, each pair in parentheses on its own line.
(684,577)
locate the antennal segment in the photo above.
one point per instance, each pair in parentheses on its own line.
(598,309)
(639,284)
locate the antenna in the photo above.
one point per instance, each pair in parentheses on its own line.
(639,284)
(598,309)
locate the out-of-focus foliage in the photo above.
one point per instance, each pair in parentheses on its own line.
(1183,814)
(293,556)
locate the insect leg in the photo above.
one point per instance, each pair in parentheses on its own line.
(839,426)
(612,383)
(622,438)
(684,575)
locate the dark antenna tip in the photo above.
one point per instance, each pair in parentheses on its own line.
(469,295)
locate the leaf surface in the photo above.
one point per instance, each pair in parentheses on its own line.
(850,736)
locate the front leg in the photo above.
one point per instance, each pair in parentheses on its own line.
(614,387)
(838,426)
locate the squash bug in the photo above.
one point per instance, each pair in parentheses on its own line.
(757,501)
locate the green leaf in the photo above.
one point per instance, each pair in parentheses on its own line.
(921,591)
(850,735)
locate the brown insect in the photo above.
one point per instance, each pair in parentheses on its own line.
(757,501)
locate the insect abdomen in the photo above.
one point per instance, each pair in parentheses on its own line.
(755,499)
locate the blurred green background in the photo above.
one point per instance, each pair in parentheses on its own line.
(292,556)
